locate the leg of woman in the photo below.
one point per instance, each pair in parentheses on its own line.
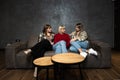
(40,48)
(38,51)
(73,49)
(63,46)
(57,48)
(84,45)
(45,44)
(76,45)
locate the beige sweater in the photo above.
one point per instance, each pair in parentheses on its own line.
(81,36)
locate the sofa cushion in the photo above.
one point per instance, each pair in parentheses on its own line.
(49,53)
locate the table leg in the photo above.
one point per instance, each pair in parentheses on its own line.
(37,73)
(81,75)
(47,75)
(62,70)
(55,71)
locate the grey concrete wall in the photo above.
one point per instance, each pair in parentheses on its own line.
(21,18)
(101,20)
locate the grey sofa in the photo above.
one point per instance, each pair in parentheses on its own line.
(16,58)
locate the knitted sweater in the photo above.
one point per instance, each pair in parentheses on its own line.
(58,37)
(81,36)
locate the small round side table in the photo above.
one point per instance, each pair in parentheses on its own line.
(43,62)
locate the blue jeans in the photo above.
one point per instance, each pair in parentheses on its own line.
(75,45)
(60,47)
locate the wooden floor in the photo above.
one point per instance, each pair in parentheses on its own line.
(89,74)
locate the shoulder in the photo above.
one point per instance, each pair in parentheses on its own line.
(83,32)
(72,33)
(66,34)
(41,34)
(56,34)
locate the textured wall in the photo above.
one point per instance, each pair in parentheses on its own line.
(21,18)
(100,20)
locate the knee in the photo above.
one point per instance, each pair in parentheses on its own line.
(72,42)
(58,47)
(62,42)
(71,49)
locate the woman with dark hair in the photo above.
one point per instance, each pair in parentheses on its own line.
(45,43)
(79,42)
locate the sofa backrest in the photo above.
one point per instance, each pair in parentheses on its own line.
(32,40)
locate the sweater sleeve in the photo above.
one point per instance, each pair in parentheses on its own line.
(56,38)
(83,36)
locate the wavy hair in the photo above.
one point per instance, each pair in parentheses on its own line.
(46,26)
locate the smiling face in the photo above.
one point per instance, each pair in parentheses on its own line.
(49,29)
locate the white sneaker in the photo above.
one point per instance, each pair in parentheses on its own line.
(35,72)
(27,51)
(84,54)
(92,51)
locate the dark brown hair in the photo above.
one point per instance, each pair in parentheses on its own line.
(46,27)
(79,25)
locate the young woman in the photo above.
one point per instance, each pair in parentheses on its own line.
(45,44)
(61,41)
(79,42)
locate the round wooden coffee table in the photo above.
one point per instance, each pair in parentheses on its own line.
(68,59)
(43,62)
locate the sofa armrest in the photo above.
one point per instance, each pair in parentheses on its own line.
(100,43)
(11,51)
(104,50)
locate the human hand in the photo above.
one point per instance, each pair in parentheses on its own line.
(73,39)
(52,43)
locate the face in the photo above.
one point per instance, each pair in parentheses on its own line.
(62,30)
(49,29)
(77,29)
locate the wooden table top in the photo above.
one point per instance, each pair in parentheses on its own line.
(43,61)
(68,58)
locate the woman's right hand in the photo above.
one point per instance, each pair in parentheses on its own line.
(51,42)
(73,39)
